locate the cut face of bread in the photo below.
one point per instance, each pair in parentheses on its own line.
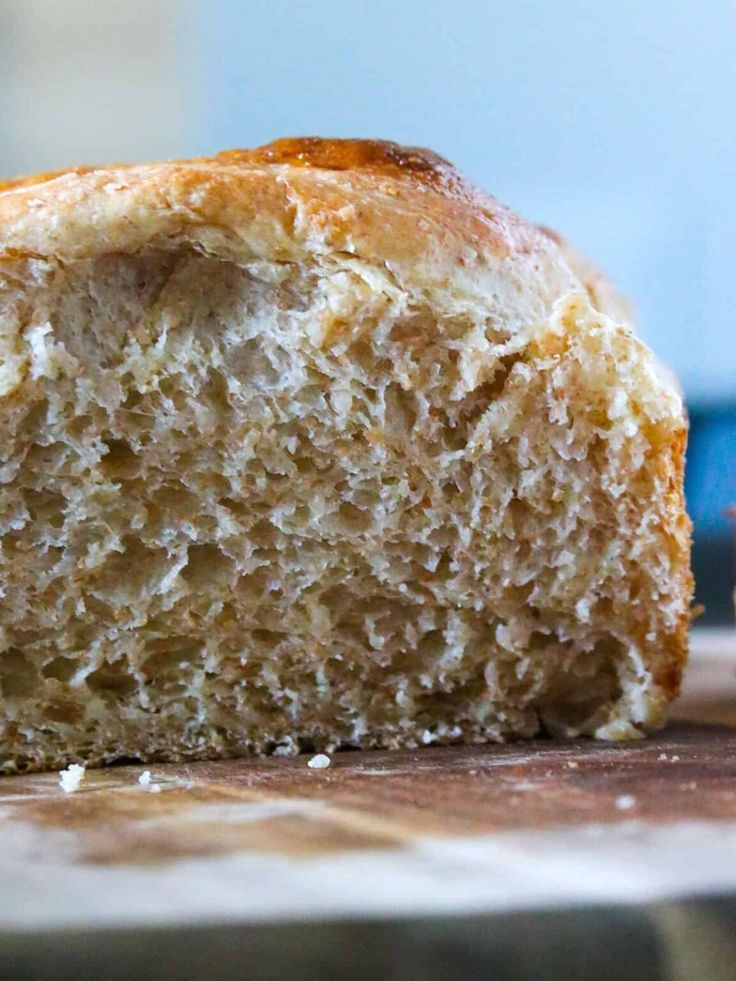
(316,446)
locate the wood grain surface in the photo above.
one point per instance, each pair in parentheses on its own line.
(448,829)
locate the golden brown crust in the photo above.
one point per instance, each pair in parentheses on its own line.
(669,672)
(377,156)
(18,182)
(380,156)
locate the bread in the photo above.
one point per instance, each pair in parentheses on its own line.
(314,446)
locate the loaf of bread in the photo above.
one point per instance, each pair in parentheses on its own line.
(317,446)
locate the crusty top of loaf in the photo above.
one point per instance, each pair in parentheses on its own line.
(405,208)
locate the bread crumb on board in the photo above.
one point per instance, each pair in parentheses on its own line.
(72,778)
(624,802)
(145,781)
(319,762)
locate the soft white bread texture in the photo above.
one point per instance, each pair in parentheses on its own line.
(317,446)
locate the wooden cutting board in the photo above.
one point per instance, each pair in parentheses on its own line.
(449,830)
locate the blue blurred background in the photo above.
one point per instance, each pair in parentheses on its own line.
(614,123)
